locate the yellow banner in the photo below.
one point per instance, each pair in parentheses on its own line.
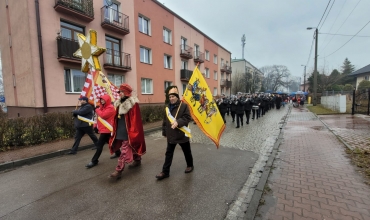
(203,107)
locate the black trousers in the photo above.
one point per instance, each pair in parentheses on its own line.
(103,139)
(247,115)
(239,117)
(80,132)
(223,116)
(233,115)
(169,156)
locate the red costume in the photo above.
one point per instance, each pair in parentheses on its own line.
(130,109)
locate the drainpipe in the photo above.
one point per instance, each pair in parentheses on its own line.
(45,108)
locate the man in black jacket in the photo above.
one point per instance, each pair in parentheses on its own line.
(83,120)
(177,116)
(239,110)
(248,107)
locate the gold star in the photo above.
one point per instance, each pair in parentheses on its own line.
(89,51)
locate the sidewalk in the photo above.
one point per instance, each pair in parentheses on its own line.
(311,177)
(27,155)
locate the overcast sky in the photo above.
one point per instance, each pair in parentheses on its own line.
(276,31)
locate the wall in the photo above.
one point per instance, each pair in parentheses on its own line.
(335,103)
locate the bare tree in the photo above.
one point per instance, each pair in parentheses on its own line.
(275,77)
(239,82)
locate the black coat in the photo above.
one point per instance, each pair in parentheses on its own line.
(248,104)
(176,136)
(86,111)
(239,107)
(222,105)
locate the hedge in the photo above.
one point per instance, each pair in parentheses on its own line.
(49,127)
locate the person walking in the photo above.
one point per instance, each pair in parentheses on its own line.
(239,110)
(176,120)
(248,107)
(83,121)
(222,106)
(128,132)
(105,113)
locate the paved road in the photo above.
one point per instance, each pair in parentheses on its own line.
(61,188)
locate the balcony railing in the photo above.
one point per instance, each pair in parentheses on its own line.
(228,84)
(186,51)
(81,9)
(198,56)
(114,20)
(185,74)
(223,83)
(66,48)
(117,60)
(229,69)
(226,68)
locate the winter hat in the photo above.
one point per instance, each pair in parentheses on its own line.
(126,89)
(83,98)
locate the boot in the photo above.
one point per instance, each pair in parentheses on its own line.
(136,163)
(116,175)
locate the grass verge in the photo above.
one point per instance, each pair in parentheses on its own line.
(361,158)
(320,110)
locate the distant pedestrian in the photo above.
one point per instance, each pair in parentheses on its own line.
(105,113)
(177,117)
(128,132)
(83,121)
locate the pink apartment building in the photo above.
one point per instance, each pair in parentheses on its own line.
(148,46)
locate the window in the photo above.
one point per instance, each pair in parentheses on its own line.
(196,51)
(117,80)
(70,31)
(367,78)
(166,85)
(74,80)
(184,64)
(183,43)
(207,73)
(215,59)
(215,75)
(223,76)
(113,53)
(167,37)
(207,55)
(112,13)
(167,61)
(145,55)
(222,62)
(146,86)
(144,25)
(214,91)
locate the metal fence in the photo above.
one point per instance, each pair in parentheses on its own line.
(333,93)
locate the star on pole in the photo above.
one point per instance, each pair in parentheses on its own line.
(89,51)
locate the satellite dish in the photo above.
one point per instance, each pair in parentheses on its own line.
(109,2)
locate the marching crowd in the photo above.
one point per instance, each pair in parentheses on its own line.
(240,105)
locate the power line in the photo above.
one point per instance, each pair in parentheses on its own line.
(347,35)
(342,24)
(327,15)
(349,39)
(324,13)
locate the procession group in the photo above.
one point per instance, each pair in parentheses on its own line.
(240,105)
(120,126)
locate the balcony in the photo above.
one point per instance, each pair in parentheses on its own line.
(114,21)
(225,83)
(116,60)
(229,69)
(186,52)
(198,57)
(79,9)
(185,75)
(66,48)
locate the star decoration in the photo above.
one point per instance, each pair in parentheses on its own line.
(89,51)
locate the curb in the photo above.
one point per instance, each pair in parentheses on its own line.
(258,192)
(28,161)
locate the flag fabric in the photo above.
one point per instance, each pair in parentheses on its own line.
(97,85)
(203,107)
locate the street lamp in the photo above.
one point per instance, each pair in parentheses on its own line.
(304,78)
(315,71)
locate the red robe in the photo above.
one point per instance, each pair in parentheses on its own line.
(134,126)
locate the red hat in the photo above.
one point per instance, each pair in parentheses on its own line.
(126,89)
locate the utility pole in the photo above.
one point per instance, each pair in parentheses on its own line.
(304,78)
(315,73)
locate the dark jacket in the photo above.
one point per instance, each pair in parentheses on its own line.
(222,105)
(176,136)
(248,104)
(86,111)
(239,106)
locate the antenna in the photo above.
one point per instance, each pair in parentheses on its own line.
(243,44)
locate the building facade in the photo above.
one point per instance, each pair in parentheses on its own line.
(242,66)
(147,46)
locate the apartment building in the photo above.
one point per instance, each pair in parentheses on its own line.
(242,66)
(147,46)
